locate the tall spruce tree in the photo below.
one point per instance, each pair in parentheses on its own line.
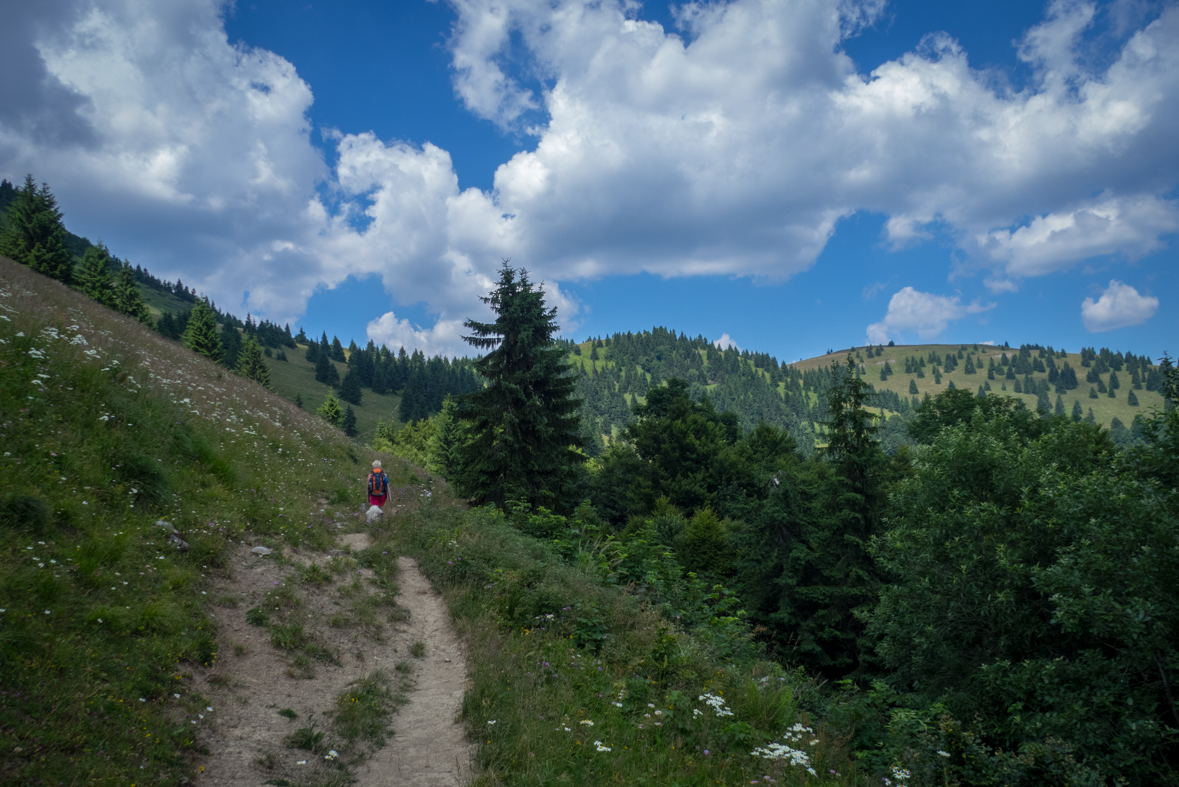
(94,275)
(348,423)
(524,423)
(201,334)
(350,387)
(251,363)
(33,233)
(128,299)
(841,581)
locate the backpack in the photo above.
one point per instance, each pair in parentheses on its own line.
(378,484)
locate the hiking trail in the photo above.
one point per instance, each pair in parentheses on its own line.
(261,699)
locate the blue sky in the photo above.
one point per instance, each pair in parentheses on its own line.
(794,175)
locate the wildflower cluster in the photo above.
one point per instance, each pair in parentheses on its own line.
(797,735)
(716,703)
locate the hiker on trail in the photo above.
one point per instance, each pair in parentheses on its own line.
(378,486)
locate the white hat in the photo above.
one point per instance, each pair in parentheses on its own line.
(377,465)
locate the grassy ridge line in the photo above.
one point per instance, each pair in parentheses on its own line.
(1105,409)
(107,426)
(578,680)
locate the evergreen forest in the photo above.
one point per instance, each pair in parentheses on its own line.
(958,563)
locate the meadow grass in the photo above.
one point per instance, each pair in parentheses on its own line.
(577,681)
(107,427)
(296,377)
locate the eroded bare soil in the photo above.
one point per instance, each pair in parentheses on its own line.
(351,632)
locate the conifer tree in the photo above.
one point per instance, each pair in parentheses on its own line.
(1132,399)
(448,442)
(1078,412)
(330,410)
(33,234)
(913,386)
(250,363)
(1059,410)
(299,401)
(350,387)
(348,424)
(524,422)
(201,335)
(325,370)
(128,298)
(231,346)
(337,352)
(94,275)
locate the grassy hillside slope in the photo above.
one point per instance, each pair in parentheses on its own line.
(108,427)
(1105,409)
(296,377)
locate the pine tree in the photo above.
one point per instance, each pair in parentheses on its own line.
(337,352)
(913,386)
(128,298)
(330,410)
(251,364)
(201,335)
(325,370)
(1078,412)
(33,234)
(94,275)
(231,346)
(524,422)
(448,442)
(1132,398)
(349,422)
(1090,419)
(350,387)
(1059,405)
(299,401)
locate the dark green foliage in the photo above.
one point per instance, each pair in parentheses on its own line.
(1018,535)
(94,275)
(350,388)
(251,364)
(27,513)
(1131,398)
(1078,413)
(524,424)
(33,233)
(325,370)
(201,334)
(128,299)
(337,350)
(231,346)
(348,424)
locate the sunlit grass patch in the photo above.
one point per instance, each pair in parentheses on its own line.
(573,680)
(106,428)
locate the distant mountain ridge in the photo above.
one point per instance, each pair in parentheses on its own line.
(616,371)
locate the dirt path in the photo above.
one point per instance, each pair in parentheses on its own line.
(429,748)
(261,695)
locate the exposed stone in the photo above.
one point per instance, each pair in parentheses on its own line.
(262,551)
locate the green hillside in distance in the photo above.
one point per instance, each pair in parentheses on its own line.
(1105,409)
(295,377)
(616,371)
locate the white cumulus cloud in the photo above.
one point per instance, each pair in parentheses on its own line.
(1118,307)
(922,313)
(725,342)
(730,145)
